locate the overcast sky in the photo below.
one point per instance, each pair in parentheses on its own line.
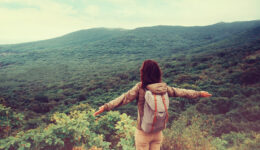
(31,20)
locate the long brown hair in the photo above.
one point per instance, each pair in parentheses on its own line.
(150,72)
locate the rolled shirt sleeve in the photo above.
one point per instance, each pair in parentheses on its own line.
(178,92)
(125,98)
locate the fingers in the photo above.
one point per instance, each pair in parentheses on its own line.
(205,94)
(96,113)
(101,109)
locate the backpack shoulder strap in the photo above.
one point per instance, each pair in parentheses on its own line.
(155,111)
(140,105)
(166,110)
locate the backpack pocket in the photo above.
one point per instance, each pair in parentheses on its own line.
(155,112)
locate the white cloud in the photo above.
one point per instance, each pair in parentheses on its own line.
(122,2)
(203,12)
(41,20)
(92,10)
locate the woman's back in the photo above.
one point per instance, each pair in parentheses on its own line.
(150,76)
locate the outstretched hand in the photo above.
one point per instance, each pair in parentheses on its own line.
(101,109)
(205,94)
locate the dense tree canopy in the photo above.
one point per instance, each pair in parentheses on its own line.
(50,86)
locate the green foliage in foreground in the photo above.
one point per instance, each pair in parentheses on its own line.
(9,120)
(66,131)
(79,129)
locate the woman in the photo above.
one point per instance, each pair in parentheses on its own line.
(151,80)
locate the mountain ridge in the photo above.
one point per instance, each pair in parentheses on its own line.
(84,32)
(88,68)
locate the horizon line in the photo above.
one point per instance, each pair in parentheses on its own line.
(116,28)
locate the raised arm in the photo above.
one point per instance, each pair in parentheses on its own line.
(125,98)
(177,92)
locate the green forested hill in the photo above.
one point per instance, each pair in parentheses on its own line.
(84,69)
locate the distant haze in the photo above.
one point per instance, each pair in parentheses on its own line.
(32,20)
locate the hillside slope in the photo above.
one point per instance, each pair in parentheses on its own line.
(87,55)
(48,89)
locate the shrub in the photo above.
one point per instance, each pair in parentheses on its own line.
(224,126)
(216,105)
(81,97)
(251,112)
(40,107)
(106,125)
(185,78)
(250,76)
(125,131)
(242,141)
(233,138)
(222,104)
(225,92)
(41,98)
(66,131)
(188,133)
(9,120)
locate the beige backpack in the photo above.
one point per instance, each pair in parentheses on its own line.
(155,112)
